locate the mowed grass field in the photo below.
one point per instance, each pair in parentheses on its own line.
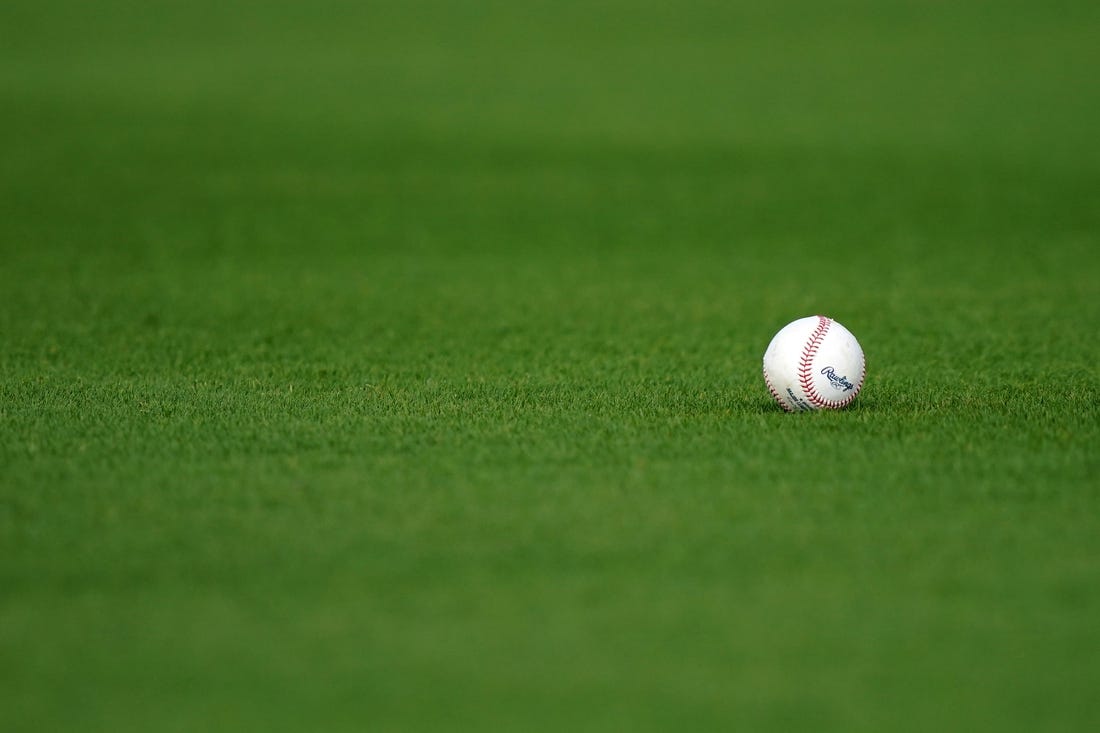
(396,366)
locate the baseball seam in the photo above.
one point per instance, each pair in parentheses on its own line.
(771,388)
(805,369)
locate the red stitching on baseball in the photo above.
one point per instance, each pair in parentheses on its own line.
(771,388)
(805,369)
(805,365)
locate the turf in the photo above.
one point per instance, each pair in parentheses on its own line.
(396,366)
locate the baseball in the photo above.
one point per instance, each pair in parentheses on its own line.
(814,363)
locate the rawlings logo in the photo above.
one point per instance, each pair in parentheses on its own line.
(837,381)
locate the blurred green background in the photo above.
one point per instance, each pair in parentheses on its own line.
(395,365)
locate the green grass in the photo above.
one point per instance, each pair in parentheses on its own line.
(398,367)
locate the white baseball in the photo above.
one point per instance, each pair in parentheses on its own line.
(814,363)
